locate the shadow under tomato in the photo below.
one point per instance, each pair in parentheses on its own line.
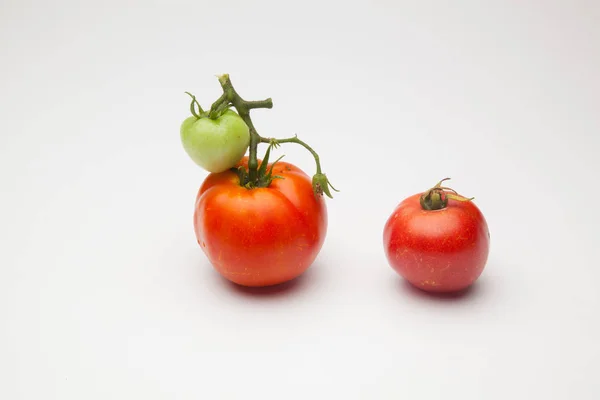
(467,294)
(289,288)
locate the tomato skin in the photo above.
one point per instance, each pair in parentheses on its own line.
(442,250)
(215,144)
(261,236)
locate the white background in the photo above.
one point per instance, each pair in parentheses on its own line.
(104,293)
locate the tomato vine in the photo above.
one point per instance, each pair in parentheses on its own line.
(257,175)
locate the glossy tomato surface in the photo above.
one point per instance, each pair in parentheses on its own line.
(261,236)
(442,250)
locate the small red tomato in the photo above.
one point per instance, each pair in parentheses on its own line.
(437,240)
(262,236)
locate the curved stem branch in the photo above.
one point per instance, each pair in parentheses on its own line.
(301,143)
(193,105)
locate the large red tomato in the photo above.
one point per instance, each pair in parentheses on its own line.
(437,240)
(261,236)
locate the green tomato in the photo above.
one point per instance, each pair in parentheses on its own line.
(215,144)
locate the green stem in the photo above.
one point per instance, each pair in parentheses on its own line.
(193,105)
(268,103)
(256,177)
(217,105)
(243,107)
(437,197)
(301,143)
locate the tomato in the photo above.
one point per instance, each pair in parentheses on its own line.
(437,250)
(262,236)
(215,144)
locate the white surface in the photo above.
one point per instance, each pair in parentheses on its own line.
(106,295)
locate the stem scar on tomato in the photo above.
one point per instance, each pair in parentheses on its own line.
(437,197)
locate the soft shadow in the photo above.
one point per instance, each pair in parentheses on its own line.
(290,288)
(468,294)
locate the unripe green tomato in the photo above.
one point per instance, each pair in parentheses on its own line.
(215,144)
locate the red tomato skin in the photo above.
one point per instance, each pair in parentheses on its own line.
(262,236)
(440,251)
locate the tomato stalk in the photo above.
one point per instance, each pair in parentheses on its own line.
(243,107)
(320,182)
(436,198)
(256,177)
